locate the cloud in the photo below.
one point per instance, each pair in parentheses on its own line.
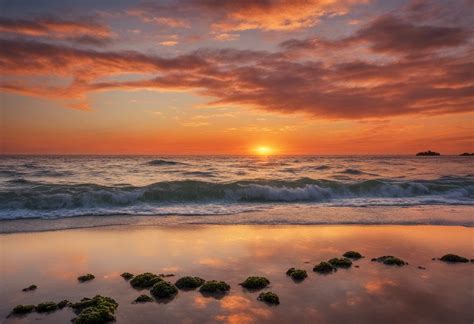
(85,31)
(415,76)
(227,16)
(390,34)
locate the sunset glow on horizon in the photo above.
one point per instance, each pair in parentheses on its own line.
(236,77)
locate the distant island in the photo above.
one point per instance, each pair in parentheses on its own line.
(467,154)
(427,153)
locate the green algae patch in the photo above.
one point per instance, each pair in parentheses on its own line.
(163,289)
(22,309)
(390,260)
(189,282)
(269,297)
(126,275)
(63,303)
(297,274)
(352,255)
(145,280)
(86,277)
(95,310)
(214,287)
(143,299)
(30,288)
(254,282)
(340,262)
(47,307)
(324,267)
(453,258)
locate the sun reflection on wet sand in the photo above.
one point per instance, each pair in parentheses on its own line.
(53,260)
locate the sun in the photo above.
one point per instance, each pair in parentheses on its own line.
(264,150)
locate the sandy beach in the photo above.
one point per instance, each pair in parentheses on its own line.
(372,292)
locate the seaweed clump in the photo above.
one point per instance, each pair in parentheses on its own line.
(352,255)
(22,309)
(453,258)
(390,260)
(163,289)
(297,274)
(126,275)
(99,309)
(214,287)
(324,267)
(340,262)
(30,288)
(269,297)
(47,307)
(189,282)
(145,280)
(255,283)
(143,299)
(86,277)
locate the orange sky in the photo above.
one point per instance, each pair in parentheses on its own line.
(206,77)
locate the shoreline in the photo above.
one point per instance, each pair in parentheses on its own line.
(369,292)
(299,215)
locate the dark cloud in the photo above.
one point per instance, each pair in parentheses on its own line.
(393,35)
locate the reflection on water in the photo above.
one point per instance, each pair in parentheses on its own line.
(371,293)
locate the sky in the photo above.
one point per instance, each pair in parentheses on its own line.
(228,77)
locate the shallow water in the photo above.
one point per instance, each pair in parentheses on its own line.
(372,293)
(63,186)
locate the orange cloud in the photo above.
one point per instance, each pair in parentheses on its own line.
(228,16)
(402,83)
(85,31)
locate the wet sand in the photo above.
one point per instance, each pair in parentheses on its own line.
(443,293)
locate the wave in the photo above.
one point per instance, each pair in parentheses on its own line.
(35,196)
(352,171)
(164,162)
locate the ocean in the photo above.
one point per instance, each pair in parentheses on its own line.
(64,186)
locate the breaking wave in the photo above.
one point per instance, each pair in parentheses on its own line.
(35,198)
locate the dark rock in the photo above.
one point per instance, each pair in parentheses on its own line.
(390,260)
(297,274)
(143,299)
(255,283)
(453,258)
(46,307)
(340,262)
(427,153)
(352,255)
(269,297)
(96,310)
(30,288)
(166,275)
(127,275)
(467,154)
(324,267)
(86,277)
(214,286)
(189,282)
(163,289)
(22,309)
(145,280)
(422,268)
(63,303)
(433,259)
(356,266)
